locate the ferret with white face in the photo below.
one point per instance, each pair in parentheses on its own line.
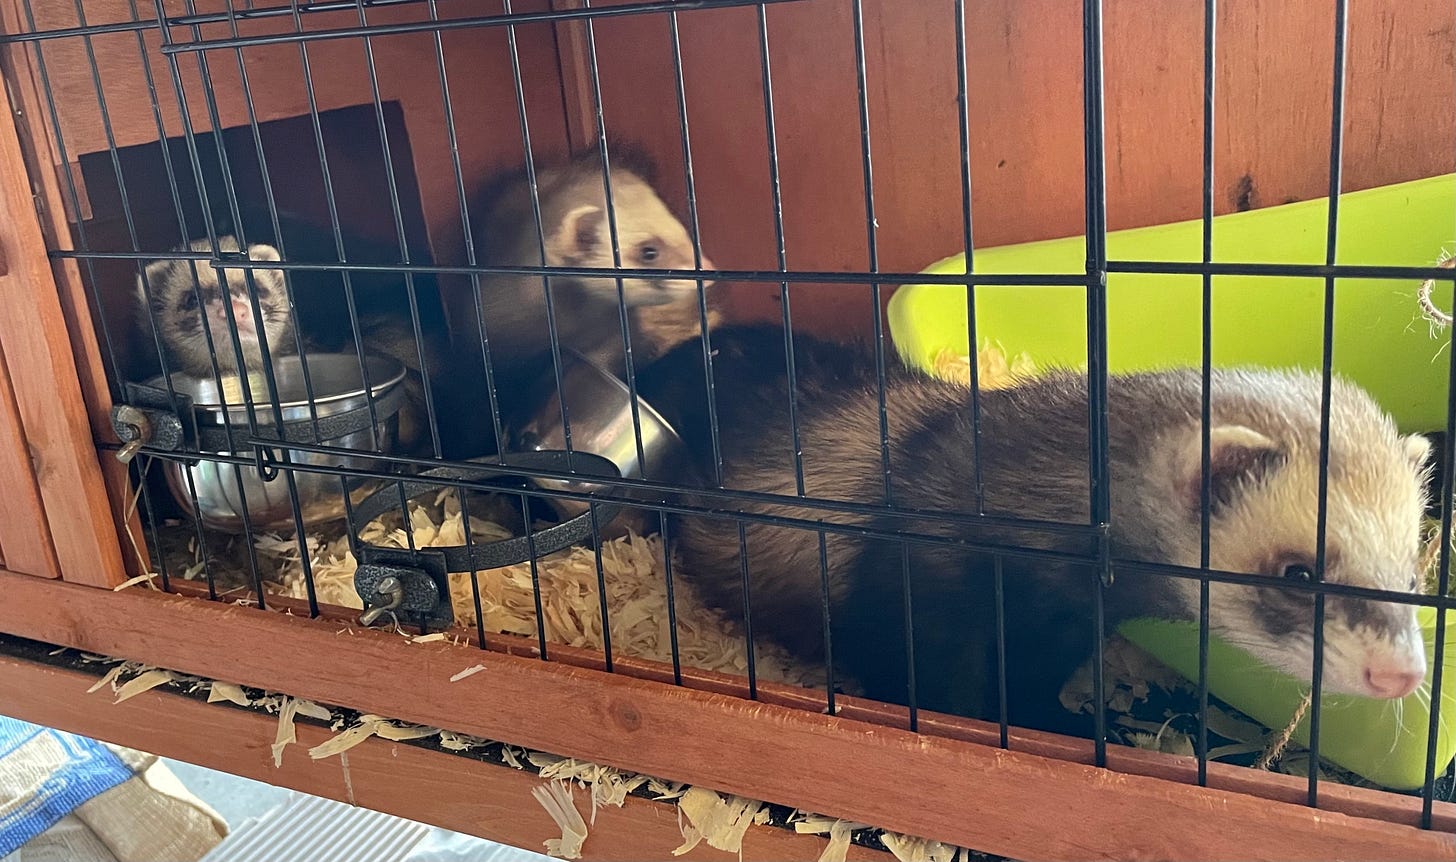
(578,233)
(171,296)
(195,335)
(1264,482)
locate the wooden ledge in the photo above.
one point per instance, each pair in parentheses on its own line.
(458,793)
(1003,802)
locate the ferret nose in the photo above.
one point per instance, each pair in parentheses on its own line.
(242,309)
(1392,682)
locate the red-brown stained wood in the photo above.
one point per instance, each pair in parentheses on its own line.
(25,539)
(1272,128)
(42,369)
(449,791)
(1274,786)
(971,795)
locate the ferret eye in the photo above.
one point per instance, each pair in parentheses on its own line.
(648,253)
(189,302)
(1299,572)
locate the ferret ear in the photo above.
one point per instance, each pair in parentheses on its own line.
(1237,455)
(154,274)
(579,234)
(271,278)
(1418,450)
(259,251)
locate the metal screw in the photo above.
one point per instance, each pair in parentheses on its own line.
(141,427)
(392,591)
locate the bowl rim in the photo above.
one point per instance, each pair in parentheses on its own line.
(396,373)
(621,386)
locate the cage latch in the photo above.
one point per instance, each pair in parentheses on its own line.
(406,586)
(150,416)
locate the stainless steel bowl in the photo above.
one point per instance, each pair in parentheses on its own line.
(600,407)
(338,388)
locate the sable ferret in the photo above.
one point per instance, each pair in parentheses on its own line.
(1033,447)
(573,206)
(318,317)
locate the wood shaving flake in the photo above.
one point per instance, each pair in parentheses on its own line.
(908,849)
(287,734)
(229,692)
(469,671)
(556,798)
(838,847)
(721,822)
(607,785)
(367,726)
(433,637)
(665,790)
(109,679)
(143,682)
(139,579)
(341,742)
(511,757)
(313,710)
(452,741)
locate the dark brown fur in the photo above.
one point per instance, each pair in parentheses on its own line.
(1033,455)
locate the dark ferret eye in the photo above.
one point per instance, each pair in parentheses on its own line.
(649,253)
(189,302)
(1299,572)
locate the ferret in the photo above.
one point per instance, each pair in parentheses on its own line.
(170,291)
(573,206)
(1264,443)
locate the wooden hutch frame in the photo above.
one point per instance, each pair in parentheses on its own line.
(63,542)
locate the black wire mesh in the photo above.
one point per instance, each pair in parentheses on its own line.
(212,191)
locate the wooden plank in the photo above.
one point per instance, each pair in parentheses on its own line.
(55,216)
(24,535)
(970,795)
(1275,786)
(43,371)
(453,792)
(1024,59)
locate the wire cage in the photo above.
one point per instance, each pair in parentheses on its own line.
(495,318)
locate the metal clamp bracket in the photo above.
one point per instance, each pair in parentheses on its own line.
(153,417)
(483,556)
(410,586)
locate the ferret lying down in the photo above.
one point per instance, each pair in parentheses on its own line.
(1034,458)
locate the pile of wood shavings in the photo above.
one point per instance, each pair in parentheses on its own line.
(720,820)
(1155,708)
(633,569)
(994,369)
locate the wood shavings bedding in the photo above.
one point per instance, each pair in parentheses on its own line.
(994,369)
(633,570)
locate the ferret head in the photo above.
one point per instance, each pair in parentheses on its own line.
(188,295)
(1264,493)
(649,236)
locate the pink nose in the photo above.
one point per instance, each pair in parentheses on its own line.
(1392,682)
(242,314)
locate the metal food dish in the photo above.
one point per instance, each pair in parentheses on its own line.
(600,406)
(338,390)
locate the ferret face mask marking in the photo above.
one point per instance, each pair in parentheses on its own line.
(1265,500)
(174,307)
(649,236)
